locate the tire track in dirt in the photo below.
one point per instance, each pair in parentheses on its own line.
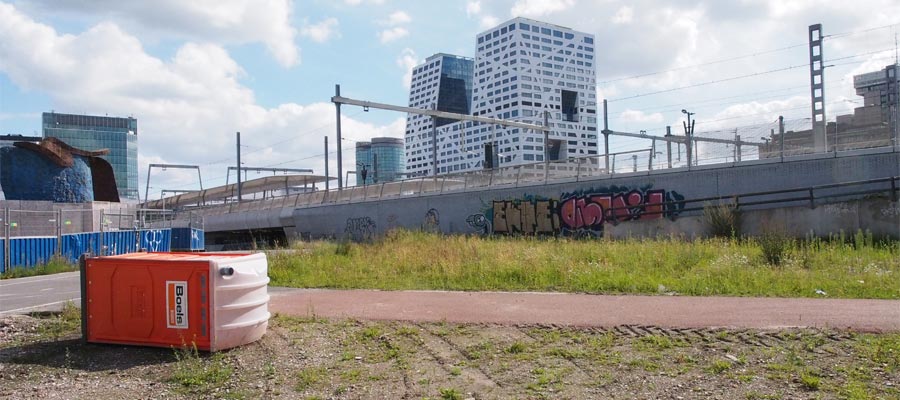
(586,374)
(443,351)
(385,340)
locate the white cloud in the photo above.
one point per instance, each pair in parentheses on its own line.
(537,8)
(624,16)
(407,60)
(474,10)
(322,32)
(395,30)
(488,21)
(397,18)
(215,21)
(392,34)
(188,107)
(640,116)
(756,110)
(473,7)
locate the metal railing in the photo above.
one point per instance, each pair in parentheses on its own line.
(572,170)
(802,195)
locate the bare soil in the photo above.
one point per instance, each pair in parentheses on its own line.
(307,357)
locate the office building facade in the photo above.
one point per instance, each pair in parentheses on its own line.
(442,82)
(88,132)
(525,69)
(381,160)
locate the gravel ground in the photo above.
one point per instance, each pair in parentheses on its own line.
(41,357)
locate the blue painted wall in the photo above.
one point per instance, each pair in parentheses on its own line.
(29,252)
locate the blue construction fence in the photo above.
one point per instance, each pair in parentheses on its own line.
(29,252)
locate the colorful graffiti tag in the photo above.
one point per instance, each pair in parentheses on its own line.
(529,216)
(583,212)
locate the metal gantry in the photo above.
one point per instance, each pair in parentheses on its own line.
(165,167)
(338,100)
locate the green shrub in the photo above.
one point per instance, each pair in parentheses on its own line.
(722,220)
(774,246)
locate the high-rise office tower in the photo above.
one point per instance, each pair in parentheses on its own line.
(381,159)
(443,82)
(88,132)
(524,69)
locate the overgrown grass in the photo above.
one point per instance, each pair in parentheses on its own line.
(854,267)
(64,323)
(199,375)
(54,266)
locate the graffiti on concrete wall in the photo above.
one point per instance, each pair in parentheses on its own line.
(391,221)
(581,213)
(359,229)
(589,210)
(527,216)
(432,221)
(479,224)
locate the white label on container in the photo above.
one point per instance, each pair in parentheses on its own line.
(176,304)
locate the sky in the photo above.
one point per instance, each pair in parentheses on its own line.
(194,73)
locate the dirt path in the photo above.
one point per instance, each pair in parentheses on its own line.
(583,310)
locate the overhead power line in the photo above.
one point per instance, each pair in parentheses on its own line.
(733,78)
(743,56)
(724,60)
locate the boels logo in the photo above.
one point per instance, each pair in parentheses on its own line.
(176,304)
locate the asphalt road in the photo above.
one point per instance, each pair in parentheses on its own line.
(39,293)
(47,293)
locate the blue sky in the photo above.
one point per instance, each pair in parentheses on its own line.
(193,73)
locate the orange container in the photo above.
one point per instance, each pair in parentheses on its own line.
(213,301)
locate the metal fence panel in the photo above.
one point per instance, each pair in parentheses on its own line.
(187,239)
(76,244)
(26,223)
(31,251)
(120,242)
(156,239)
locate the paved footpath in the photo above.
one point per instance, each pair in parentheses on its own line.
(23,295)
(589,310)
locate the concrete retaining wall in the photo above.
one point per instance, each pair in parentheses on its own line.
(581,208)
(879,216)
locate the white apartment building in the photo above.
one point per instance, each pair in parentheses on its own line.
(522,69)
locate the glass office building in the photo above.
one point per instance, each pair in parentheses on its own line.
(442,82)
(381,159)
(88,132)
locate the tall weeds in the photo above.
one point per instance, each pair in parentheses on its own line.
(723,220)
